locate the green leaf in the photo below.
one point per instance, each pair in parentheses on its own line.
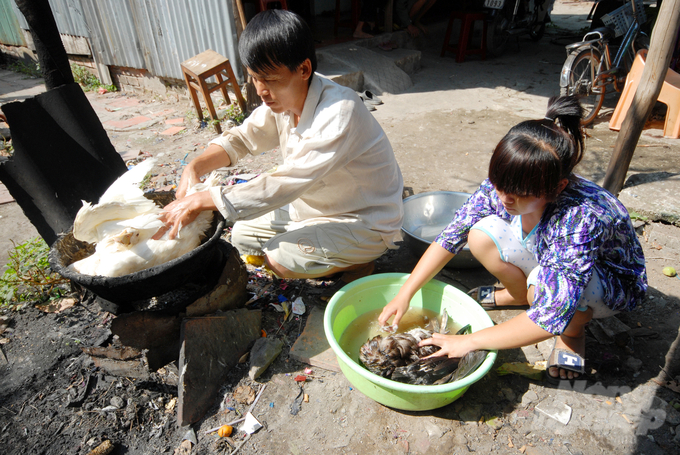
(637,216)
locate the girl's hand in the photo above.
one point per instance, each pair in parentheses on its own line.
(452,346)
(396,307)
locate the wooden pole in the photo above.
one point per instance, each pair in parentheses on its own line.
(252,99)
(651,81)
(241,14)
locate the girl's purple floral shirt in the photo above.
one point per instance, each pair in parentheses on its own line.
(585,231)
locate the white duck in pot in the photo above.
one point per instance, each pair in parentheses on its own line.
(122,223)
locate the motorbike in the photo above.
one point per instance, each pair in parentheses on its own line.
(512,18)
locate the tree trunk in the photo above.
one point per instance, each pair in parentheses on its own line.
(51,53)
(651,81)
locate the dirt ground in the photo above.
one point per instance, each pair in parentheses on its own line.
(53,400)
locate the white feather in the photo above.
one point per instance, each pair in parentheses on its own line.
(126,187)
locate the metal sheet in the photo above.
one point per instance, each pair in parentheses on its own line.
(156,35)
(68,14)
(10,29)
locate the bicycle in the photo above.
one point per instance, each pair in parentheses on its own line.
(589,67)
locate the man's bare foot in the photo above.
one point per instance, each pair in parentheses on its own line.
(575,345)
(359,271)
(422,28)
(413,31)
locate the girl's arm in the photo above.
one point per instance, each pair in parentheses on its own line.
(514,333)
(433,260)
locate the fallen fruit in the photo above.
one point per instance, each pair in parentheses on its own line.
(104,448)
(669,271)
(225,430)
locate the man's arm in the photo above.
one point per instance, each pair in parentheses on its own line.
(214,157)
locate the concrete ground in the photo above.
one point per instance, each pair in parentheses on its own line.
(443,119)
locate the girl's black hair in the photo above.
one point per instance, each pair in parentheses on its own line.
(275,38)
(536,155)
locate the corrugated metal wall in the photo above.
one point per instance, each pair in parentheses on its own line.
(10,29)
(67,13)
(156,35)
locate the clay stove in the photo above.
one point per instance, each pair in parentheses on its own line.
(186,310)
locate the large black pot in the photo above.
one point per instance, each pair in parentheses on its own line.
(201,265)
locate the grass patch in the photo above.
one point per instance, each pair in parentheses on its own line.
(87,80)
(31,69)
(28,276)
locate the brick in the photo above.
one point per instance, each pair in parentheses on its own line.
(312,346)
(161,113)
(127,123)
(126,102)
(230,291)
(210,347)
(172,131)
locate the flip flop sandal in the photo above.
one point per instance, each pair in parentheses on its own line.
(369,106)
(369,97)
(566,360)
(486,297)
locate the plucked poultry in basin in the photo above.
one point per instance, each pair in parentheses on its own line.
(398,357)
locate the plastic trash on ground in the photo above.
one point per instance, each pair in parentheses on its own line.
(251,424)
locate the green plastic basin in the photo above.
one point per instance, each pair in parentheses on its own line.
(375,292)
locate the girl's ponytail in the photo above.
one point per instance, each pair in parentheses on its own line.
(536,155)
(566,111)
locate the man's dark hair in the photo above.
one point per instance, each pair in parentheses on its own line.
(275,38)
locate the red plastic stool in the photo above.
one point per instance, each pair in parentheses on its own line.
(466,28)
(264,4)
(354,17)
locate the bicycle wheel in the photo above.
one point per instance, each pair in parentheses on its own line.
(497,34)
(583,84)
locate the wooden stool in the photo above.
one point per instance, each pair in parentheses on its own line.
(198,69)
(466,28)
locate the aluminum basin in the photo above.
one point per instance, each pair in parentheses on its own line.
(426,215)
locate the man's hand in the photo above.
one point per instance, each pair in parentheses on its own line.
(212,158)
(189,178)
(182,212)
